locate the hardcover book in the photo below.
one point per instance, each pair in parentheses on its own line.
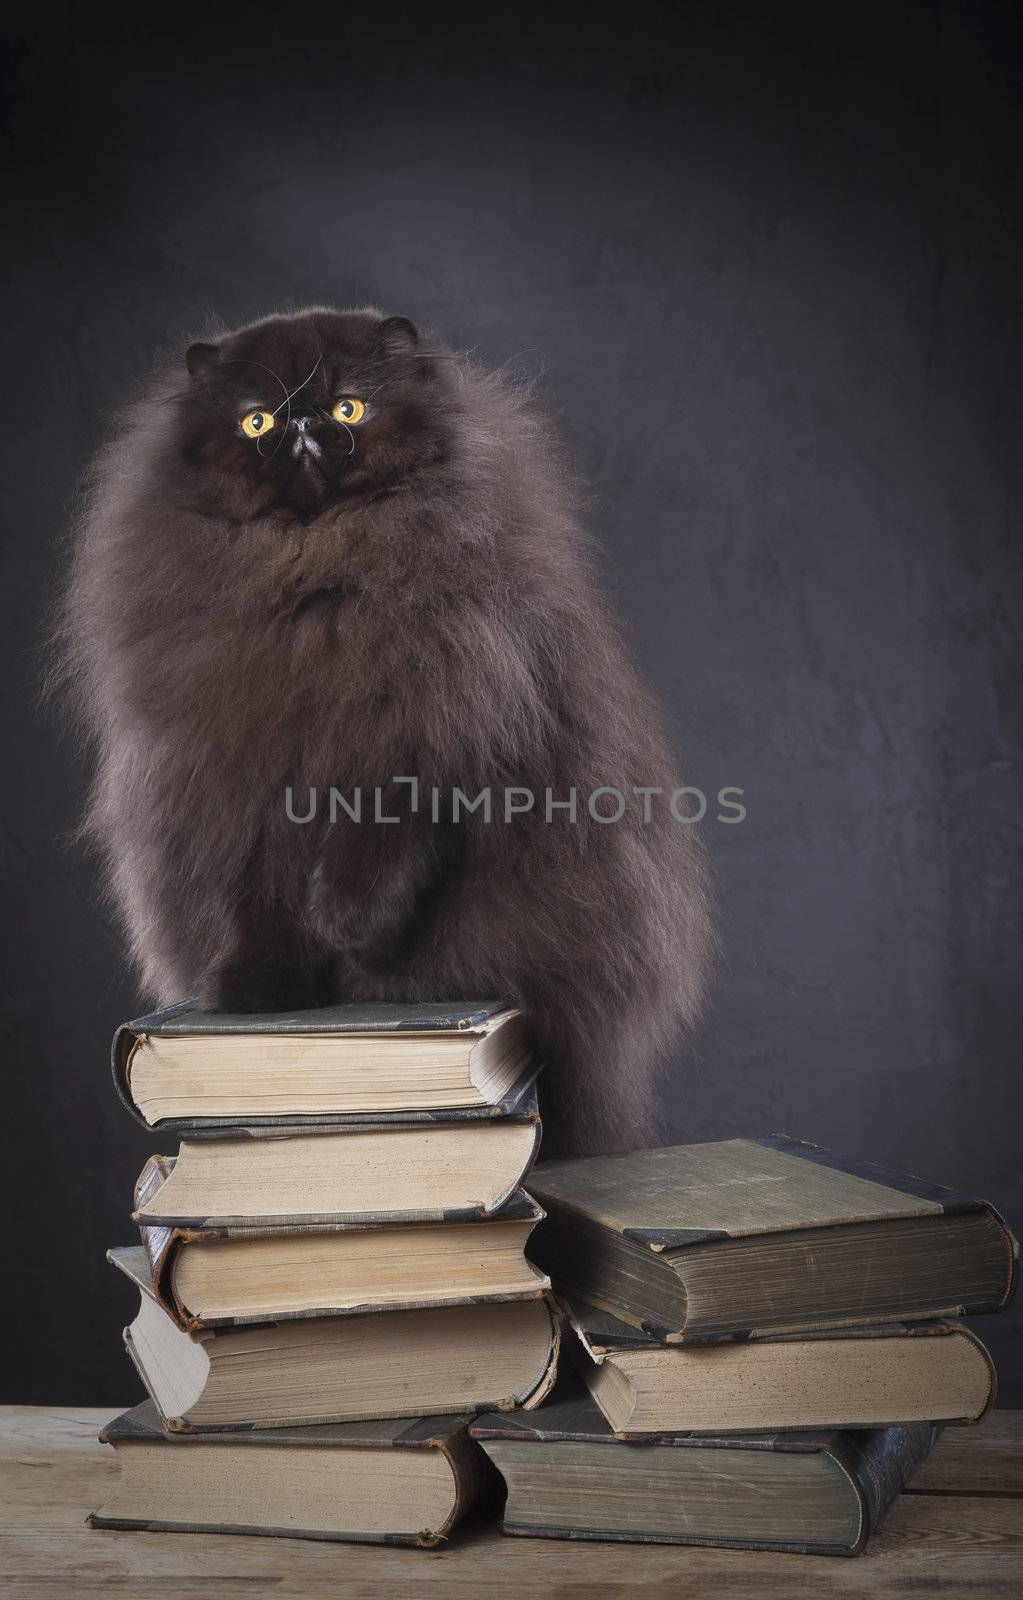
(440,1171)
(568,1477)
(719,1241)
(844,1378)
(180,1069)
(390,1482)
(483,1356)
(215,1277)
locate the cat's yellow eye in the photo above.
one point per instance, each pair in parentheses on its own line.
(349,410)
(256,423)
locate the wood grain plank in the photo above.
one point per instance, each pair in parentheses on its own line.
(966,1546)
(987,1459)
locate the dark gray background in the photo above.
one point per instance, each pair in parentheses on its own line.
(765,258)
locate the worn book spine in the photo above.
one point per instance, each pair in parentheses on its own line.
(586,1257)
(588,1350)
(528,1400)
(518,1105)
(951,1201)
(162,1245)
(475,1480)
(877,1464)
(125,1040)
(140,1373)
(150,1213)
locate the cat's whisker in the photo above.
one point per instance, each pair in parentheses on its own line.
(280,441)
(289,397)
(247,361)
(286,403)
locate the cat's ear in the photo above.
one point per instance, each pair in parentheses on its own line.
(200,359)
(398,335)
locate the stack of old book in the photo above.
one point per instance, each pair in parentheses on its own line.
(331,1270)
(768,1339)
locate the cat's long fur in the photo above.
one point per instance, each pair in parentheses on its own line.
(438,618)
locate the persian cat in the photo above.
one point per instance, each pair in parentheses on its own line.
(324,554)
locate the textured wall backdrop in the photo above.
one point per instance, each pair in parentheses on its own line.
(766,259)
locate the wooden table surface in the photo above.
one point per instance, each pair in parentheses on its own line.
(958,1532)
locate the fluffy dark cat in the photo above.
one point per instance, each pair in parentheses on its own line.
(332,554)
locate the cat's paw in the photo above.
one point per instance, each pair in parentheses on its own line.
(260,986)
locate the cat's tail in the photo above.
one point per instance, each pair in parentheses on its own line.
(601,1088)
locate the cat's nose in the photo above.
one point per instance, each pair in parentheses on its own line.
(303,441)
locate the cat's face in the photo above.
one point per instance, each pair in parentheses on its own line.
(301,412)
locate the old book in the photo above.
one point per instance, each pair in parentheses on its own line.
(337,1369)
(390,1482)
(844,1378)
(210,1277)
(179,1067)
(396,1171)
(712,1241)
(568,1477)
